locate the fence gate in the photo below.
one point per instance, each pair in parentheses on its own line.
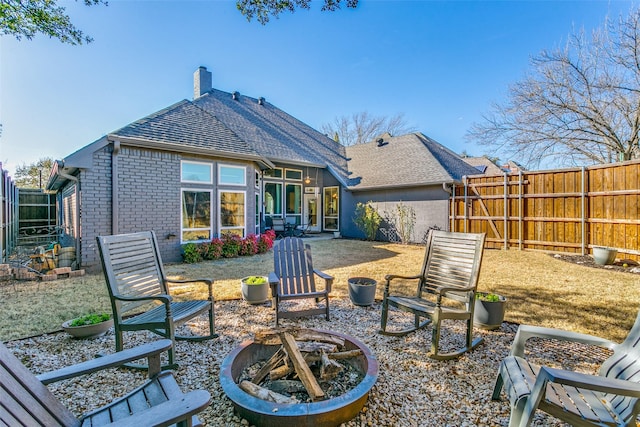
(37,219)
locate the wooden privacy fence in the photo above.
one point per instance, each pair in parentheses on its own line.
(566,210)
(8,215)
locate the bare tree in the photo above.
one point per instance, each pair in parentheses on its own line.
(579,105)
(363,127)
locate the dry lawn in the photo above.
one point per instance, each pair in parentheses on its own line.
(541,290)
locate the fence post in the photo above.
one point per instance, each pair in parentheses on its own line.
(583,211)
(520,210)
(506,211)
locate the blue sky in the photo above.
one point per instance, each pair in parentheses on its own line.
(440,63)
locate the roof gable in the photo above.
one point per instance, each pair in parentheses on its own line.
(274,133)
(406,160)
(188,126)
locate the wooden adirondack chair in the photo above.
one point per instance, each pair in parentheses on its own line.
(446,288)
(294,278)
(135,277)
(26,401)
(611,398)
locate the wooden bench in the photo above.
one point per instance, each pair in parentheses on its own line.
(26,401)
(135,278)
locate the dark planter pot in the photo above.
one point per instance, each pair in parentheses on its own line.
(87,331)
(604,256)
(255,294)
(489,314)
(362,290)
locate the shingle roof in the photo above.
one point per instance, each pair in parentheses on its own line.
(187,125)
(490,168)
(407,160)
(274,133)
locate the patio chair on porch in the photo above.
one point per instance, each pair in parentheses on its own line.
(293,278)
(611,398)
(446,288)
(280,227)
(26,401)
(135,278)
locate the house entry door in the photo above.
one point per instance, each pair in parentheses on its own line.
(311,212)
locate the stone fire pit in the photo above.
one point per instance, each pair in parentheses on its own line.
(330,412)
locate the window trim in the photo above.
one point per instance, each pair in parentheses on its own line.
(244,175)
(336,216)
(280,178)
(219,213)
(193,162)
(258,214)
(286,178)
(182,229)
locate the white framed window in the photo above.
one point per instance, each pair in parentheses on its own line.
(196,215)
(257,179)
(273,173)
(293,174)
(232,212)
(196,172)
(232,175)
(293,202)
(331,207)
(257,223)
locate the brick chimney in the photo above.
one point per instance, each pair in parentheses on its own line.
(201,82)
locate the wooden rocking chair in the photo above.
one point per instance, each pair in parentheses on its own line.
(611,398)
(135,277)
(293,278)
(446,288)
(26,401)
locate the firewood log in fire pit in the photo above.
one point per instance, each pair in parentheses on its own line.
(305,362)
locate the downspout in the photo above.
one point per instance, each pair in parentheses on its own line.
(114,187)
(449,189)
(466,200)
(76,214)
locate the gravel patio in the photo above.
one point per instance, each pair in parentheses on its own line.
(412,390)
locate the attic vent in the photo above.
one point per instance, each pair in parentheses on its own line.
(381,142)
(261,100)
(235,95)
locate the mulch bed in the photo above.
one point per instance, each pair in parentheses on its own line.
(622,265)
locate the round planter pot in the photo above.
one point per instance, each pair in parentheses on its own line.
(604,256)
(489,314)
(255,294)
(362,290)
(87,331)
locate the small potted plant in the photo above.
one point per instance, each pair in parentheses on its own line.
(362,290)
(489,310)
(88,326)
(255,289)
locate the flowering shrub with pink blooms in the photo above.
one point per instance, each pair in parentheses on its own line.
(265,243)
(228,246)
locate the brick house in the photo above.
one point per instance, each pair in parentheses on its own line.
(224,162)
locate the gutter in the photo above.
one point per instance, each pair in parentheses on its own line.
(159,145)
(391,187)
